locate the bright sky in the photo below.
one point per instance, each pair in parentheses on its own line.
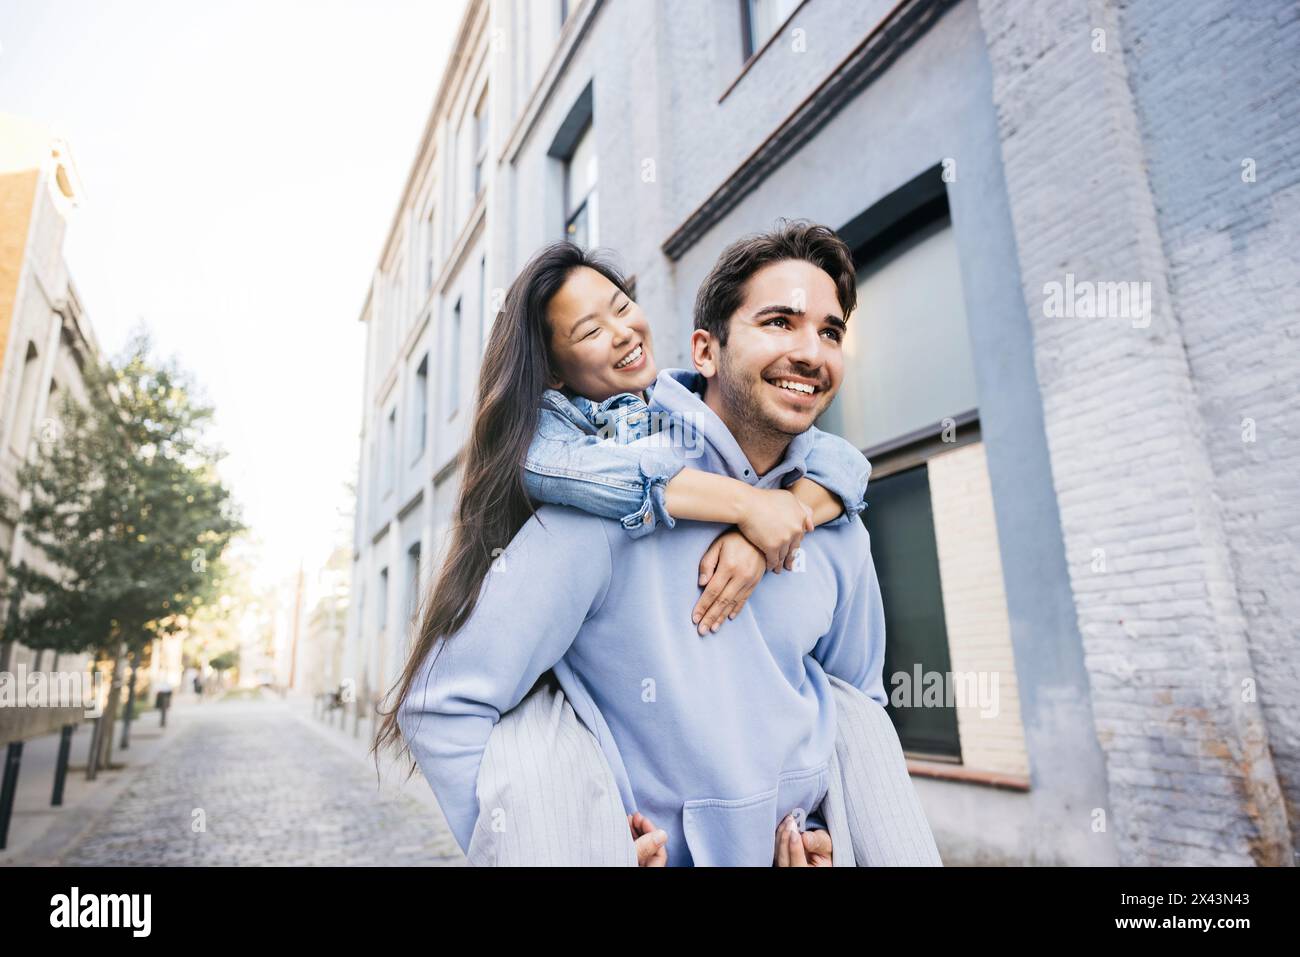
(241,163)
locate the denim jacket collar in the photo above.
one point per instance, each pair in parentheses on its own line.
(680,392)
(622,415)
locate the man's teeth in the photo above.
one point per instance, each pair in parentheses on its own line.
(795,386)
(629,358)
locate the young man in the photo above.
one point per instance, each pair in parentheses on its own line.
(716,739)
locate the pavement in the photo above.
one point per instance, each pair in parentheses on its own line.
(236,781)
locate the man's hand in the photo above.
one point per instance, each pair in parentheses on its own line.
(651,844)
(729,571)
(810,849)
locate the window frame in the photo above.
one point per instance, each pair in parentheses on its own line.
(422,407)
(885,225)
(390,454)
(429,234)
(585,208)
(480,119)
(579,122)
(451,397)
(413,557)
(482,305)
(749,55)
(749,43)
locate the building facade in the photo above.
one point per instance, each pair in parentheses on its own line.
(45,337)
(1072,365)
(318,667)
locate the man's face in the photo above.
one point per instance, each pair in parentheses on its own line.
(783,361)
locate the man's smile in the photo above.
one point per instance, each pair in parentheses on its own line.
(800,390)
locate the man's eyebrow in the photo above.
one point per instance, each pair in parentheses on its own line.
(592,315)
(782,310)
(778,310)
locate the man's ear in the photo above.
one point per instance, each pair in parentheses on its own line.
(704,353)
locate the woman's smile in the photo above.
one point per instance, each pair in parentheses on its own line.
(632,361)
(600,339)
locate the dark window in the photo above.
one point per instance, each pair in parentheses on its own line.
(574,146)
(453,361)
(390,452)
(580,221)
(421,416)
(903,547)
(412,580)
(482,304)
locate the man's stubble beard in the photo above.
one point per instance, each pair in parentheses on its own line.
(745,404)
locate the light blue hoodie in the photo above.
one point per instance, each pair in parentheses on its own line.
(714,738)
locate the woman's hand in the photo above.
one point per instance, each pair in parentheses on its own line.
(807,849)
(651,844)
(775,521)
(729,571)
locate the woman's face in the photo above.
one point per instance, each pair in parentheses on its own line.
(600,339)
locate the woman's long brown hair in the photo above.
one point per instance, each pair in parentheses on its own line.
(493,503)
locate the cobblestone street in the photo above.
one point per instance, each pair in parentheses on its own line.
(264,789)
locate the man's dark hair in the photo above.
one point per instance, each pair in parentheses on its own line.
(723,289)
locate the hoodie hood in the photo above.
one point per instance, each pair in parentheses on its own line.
(680,394)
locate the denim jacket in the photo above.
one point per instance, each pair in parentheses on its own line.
(579,457)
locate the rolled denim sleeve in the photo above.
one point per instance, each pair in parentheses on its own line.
(566,466)
(837,466)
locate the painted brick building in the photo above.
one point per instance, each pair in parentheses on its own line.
(1073,365)
(45,335)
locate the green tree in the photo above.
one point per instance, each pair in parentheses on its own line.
(225,661)
(217,626)
(124,498)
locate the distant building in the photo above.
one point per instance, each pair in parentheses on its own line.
(319,666)
(45,336)
(1073,364)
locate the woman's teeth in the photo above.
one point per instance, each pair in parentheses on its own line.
(795,386)
(629,358)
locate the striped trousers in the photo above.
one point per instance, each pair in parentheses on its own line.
(547,796)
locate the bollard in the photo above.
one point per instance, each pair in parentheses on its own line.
(13,758)
(129,713)
(61,766)
(92,759)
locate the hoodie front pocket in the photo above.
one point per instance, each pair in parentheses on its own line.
(731,833)
(741,832)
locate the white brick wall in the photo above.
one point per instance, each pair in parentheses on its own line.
(1232,238)
(1162,624)
(975,608)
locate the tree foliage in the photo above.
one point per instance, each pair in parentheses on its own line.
(124,499)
